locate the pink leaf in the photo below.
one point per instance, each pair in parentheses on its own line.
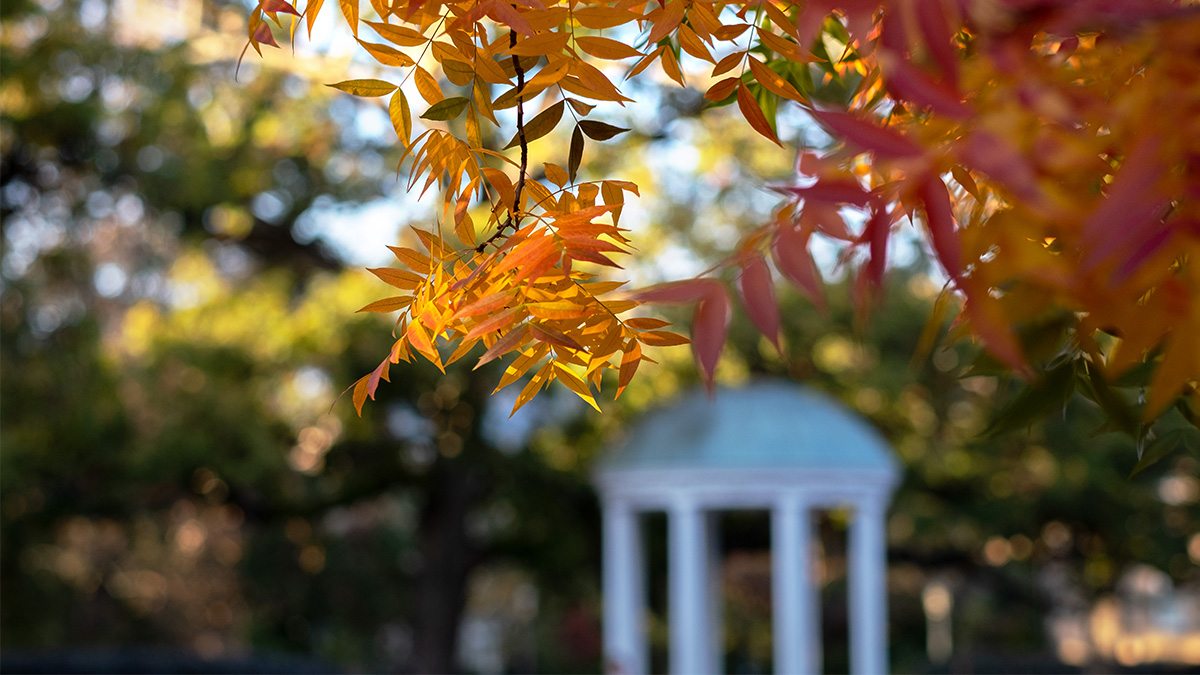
(868,135)
(758,294)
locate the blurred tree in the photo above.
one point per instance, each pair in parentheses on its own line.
(168,333)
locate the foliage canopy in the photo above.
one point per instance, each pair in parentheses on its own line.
(1048,150)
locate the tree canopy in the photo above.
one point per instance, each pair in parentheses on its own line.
(1047,151)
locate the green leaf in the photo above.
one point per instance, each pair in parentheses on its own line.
(446,109)
(541,124)
(599,131)
(1119,413)
(1186,438)
(1036,401)
(365,87)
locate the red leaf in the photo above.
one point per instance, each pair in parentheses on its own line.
(758,294)
(826,219)
(710,326)
(1003,163)
(279,6)
(795,262)
(263,35)
(1131,213)
(876,235)
(893,33)
(688,290)
(906,82)
(836,191)
(931,17)
(940,219)
(868,135)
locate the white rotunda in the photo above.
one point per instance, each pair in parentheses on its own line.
(769,445)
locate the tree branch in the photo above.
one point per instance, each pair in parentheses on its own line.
(513,219)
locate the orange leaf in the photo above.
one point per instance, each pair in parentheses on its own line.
(721,90)
(504,345)
(553,337)
(606,48)
(661,338)
(754,114)
(387,305)
(629,365)
(992,326)
(485,305)
(360,393)
(495,322)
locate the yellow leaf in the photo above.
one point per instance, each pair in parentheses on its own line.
(401,116)
(386,55)
(368,87)
(531,388)
(606,48)
(575,384)
(427,86)
(398,278)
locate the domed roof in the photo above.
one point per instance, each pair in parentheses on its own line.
(765,424)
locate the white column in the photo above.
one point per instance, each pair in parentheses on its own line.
(687,557)
(797,622)
(716,608)
(868,589)
(625,648)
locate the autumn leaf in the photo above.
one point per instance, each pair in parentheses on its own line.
(758,295)
(710,327)
(541,124)
(446,109)
(599,131)
(754,114)
(367,87)
(868,135)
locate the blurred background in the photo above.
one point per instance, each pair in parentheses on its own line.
(182,489)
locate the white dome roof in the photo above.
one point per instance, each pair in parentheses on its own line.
(763,425)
